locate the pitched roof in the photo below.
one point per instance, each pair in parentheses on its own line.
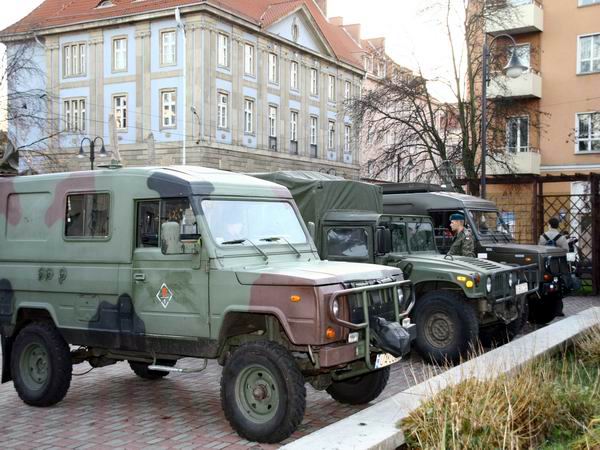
(56,13)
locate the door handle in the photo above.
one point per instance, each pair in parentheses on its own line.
(139,276)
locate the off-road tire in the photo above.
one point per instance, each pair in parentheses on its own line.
(545,310)
(501,334)
(142,371)
(447,327)
(41,365)
(360,390)
(277,378)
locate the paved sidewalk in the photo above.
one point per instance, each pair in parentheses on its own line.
(112,408)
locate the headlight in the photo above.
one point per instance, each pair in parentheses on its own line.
(336,308)
(488,285)
(511,280)
(400,296)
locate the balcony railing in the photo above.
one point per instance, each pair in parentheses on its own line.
(515,17)
(528,85)
(520,162)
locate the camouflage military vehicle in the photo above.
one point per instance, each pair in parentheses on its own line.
(493,240)
(150,265)
(457,298)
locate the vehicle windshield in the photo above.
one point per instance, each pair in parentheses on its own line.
(416,236)
(490,225)
(239,222)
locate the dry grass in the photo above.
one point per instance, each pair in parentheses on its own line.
(552,399)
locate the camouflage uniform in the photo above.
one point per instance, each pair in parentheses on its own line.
(463,244)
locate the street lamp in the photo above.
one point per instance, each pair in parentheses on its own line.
(92,143)
(514,69)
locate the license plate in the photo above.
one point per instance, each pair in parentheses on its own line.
(571,257)
(385,359)
(522,288)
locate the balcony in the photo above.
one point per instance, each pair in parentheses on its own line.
(518,16)
(528,85)
(522,163)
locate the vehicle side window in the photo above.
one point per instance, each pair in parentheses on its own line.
(443,234)
(399,239)
(148,224)
(347,242)
(87,216)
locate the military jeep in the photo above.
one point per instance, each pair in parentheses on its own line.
(151,265)
(493,240)
(458,299)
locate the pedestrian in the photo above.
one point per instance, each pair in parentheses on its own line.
(462,244)
(553,237)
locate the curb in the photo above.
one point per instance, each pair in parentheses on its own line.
(375,428)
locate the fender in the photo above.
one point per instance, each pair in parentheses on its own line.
(6,344)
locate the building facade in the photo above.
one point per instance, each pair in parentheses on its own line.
(232,84)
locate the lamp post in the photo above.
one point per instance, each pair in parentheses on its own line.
(514,69)
(92,143)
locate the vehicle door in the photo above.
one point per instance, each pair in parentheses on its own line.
(170,292)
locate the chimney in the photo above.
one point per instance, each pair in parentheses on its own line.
(337,21)
(354,31)
(322,4)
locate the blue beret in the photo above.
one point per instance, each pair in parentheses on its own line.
(457,216)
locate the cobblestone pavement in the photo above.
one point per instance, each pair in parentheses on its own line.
(112,408)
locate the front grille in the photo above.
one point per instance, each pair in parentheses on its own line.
(381,303)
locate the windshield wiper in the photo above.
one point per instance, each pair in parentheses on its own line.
(281,238)
(241,241)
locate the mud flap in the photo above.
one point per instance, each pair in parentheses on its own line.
(391,337)
(6,352)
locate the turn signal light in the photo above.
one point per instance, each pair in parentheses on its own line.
(461,278)
(547,277)
(469,284)
(295,298)
(330,333)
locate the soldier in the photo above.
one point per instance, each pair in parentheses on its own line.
(462,244)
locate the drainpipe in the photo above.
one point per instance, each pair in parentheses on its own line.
(181,26)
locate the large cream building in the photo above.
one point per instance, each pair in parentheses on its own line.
(236,84)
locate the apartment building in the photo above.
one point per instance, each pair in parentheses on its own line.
(239,85)
(559,41)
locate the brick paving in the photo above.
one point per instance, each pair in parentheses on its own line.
(112,408)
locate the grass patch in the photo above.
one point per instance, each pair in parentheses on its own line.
(552,403)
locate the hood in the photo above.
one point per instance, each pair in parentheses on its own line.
(315,273)
(455,263)
(513,248)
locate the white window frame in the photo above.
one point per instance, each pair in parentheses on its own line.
(593,57)
(591,137)
(172,51)
(273,67)
(331,88)
(314,130)
(249,116)
(592,3)
(294,76)
(347,90)
(120,112)
(273,115)
(223,50)
(347,138)
(74,59)
(171,118)
(75,114)
(314,82)
(294,126)
(249,66)
(519,148)
(331,135)
(119,55)
(222,110)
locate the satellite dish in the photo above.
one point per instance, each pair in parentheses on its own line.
(9,157)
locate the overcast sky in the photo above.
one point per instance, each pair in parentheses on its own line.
(413,38)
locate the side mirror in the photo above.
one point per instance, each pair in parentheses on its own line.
(170,239)
(383,238)
(312,229)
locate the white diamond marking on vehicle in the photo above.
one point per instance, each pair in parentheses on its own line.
(164,295)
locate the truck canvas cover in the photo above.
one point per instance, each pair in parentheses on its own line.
(317,193)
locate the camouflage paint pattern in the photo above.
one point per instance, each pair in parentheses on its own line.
(91,290)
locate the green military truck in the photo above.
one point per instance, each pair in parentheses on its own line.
(150,265)
(458,299)
(493,240)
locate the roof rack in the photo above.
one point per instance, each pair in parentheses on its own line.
(413,188)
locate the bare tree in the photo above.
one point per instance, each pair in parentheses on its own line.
(434,140)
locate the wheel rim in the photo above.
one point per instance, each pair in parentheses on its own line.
(34,366)
(439,330)
(257,393)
